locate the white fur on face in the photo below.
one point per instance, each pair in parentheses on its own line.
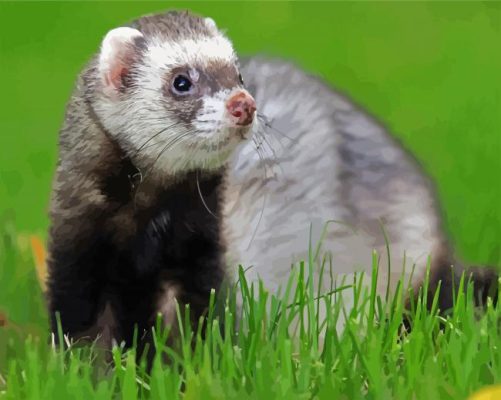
(190,52)
(152,133)
(216,134)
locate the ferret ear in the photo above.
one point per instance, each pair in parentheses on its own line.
(211,24)
(119,50)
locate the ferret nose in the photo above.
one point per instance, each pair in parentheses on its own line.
(242,107)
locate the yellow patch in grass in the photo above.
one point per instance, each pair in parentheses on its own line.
(40,258)
(487,393)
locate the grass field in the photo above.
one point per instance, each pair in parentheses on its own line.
(429,71)
(280,350)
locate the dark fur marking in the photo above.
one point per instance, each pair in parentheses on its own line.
(179,242)
(220,75)
(448,277)
(119,184)
(483,279)
(113,243)
(173,25)
(216,77)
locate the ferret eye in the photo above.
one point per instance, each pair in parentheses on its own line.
(182,84)
(240,79)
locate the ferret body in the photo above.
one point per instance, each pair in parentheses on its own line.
(324,182)
(160,194)
(325,164)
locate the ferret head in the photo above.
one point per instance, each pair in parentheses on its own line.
(169,91)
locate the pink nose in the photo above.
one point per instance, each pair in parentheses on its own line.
(242,107)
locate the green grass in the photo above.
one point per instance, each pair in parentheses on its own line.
(281,349)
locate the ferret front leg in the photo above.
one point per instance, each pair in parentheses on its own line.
(75,287)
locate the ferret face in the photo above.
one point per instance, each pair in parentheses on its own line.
(173,103)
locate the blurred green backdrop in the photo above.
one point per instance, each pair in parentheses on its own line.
(430,71)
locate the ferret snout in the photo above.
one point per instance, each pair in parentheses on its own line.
(242,107)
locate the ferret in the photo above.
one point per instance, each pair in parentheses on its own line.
(172,172)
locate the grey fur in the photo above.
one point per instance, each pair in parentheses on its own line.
(173,26)
(329,161)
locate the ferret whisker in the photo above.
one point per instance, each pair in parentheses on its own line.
(262,158)
(260,149)
(169,145)
(258,142)
(262,131)
(154,144)
(273,153)
(162,141)
(268,124)
(266,142)
(202,198)
(264,202)
(150,89)
(153,137)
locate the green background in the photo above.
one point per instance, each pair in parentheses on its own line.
(429,71)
